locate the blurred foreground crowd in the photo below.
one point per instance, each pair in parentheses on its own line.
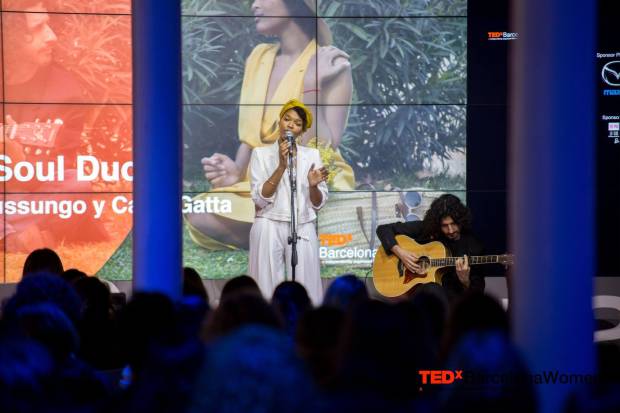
(67,344)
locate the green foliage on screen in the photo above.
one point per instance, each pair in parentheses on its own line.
(409,79)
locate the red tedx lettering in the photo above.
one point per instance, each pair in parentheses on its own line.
(440,376)
(424,374)
(447,377)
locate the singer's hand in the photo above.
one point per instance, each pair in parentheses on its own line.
(284,149)
(316,176)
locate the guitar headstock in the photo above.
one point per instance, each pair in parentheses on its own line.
(37,133)
(506,259)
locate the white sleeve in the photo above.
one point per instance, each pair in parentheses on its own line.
(258,177)
(323,185)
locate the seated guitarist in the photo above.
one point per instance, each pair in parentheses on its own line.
(447,221)
(38,88)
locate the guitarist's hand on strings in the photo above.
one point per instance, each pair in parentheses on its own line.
(462,270)
(408,258)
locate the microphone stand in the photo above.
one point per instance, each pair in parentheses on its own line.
(292,239)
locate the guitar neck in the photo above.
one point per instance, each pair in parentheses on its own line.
(474,260)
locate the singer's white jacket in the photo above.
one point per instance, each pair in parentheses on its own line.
(263,164)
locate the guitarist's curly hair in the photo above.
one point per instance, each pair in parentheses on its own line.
(446,205)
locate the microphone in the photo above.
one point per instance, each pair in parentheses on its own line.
(290,138)
(291,141)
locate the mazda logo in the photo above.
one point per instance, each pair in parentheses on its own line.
(611,73)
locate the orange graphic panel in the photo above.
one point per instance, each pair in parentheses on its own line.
(2,264)
(2,143)
(67,148)
(71,6)
(2,226)
(1,78)
(66,131)
(76,58)
(84,229)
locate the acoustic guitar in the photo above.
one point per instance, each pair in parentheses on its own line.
(21,139)
(392,279)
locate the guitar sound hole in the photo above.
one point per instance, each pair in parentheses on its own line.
(424,263)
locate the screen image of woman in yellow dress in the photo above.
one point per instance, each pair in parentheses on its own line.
(301,63)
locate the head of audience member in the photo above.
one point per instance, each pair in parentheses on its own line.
(72,274)
(253,369)
(100,343)
(603,395)
(425,351)
(484,356)
(346,292)
(44,287)
(593,399)
(147,323)
(380,347)
(290,300)
(243,308)
(48,325)
(431,301)
(318,342)
(42,260)
(474,312)
(25,370)
(164,379)
(95,297)
(193,286)
(194,305)
(241,283)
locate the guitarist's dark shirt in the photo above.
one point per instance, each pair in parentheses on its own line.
(50,94)
(466,244)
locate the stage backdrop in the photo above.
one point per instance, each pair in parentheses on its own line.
(386,81)
(388,95)
(65,165)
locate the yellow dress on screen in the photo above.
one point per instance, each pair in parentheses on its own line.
(258,126)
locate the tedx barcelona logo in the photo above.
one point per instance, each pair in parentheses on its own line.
(335,240)
(502,35)
(440,376)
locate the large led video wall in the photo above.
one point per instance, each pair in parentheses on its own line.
(385,80)
(65,165)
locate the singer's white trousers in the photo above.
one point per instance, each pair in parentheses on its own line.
(270,257)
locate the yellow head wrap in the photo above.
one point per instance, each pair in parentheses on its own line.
(294,103)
